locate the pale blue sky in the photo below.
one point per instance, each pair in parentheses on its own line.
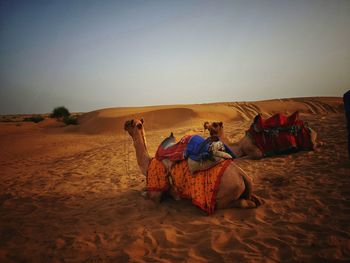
(89,55)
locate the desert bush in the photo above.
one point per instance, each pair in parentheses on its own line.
(70,120)
(35,118)
(60,112)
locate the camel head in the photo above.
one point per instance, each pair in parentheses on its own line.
(134,126)
(215,128)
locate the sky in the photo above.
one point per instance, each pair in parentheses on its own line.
(88,55)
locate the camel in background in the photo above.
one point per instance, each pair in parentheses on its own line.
(246,145)
(235,189)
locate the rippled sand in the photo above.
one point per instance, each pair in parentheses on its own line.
(73,194)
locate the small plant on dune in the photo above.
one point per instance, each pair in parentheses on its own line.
(70,120)
(34,118)
(60,113)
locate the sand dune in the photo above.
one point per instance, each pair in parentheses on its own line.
(166,117)
(72,194)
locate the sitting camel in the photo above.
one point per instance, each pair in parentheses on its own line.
(233,188)
(303,139)
(244,147)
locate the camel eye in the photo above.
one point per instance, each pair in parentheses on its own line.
(139,126)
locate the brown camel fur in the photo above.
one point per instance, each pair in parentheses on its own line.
(235,189)
(245,146)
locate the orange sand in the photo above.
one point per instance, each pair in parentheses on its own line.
(73,194)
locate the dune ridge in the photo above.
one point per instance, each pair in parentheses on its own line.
(166,117)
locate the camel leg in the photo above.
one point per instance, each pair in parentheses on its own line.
(247,200)
(316,143)
(236,190)
(232,187)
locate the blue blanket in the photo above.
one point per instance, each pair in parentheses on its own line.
(198,149)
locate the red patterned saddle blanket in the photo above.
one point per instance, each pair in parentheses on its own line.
(280,134)
(201,188)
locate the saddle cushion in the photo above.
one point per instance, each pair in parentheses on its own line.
(201,188)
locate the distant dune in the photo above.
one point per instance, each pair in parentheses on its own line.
(164,117)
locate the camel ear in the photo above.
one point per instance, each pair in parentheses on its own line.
(206,125)
(142,121)
(220,123)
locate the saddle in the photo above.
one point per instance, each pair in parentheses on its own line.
(172,150)
(201,154)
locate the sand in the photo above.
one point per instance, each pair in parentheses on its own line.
(73,194)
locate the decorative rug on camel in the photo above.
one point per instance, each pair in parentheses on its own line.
(280,134)
(200,187)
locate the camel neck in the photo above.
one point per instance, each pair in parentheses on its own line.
(142,155)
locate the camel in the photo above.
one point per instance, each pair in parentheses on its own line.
(235,189)
(245,147)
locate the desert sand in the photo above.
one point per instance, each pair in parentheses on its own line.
(73,194)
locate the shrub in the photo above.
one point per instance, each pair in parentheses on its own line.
(70,120)
(35,118)
(60,112)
